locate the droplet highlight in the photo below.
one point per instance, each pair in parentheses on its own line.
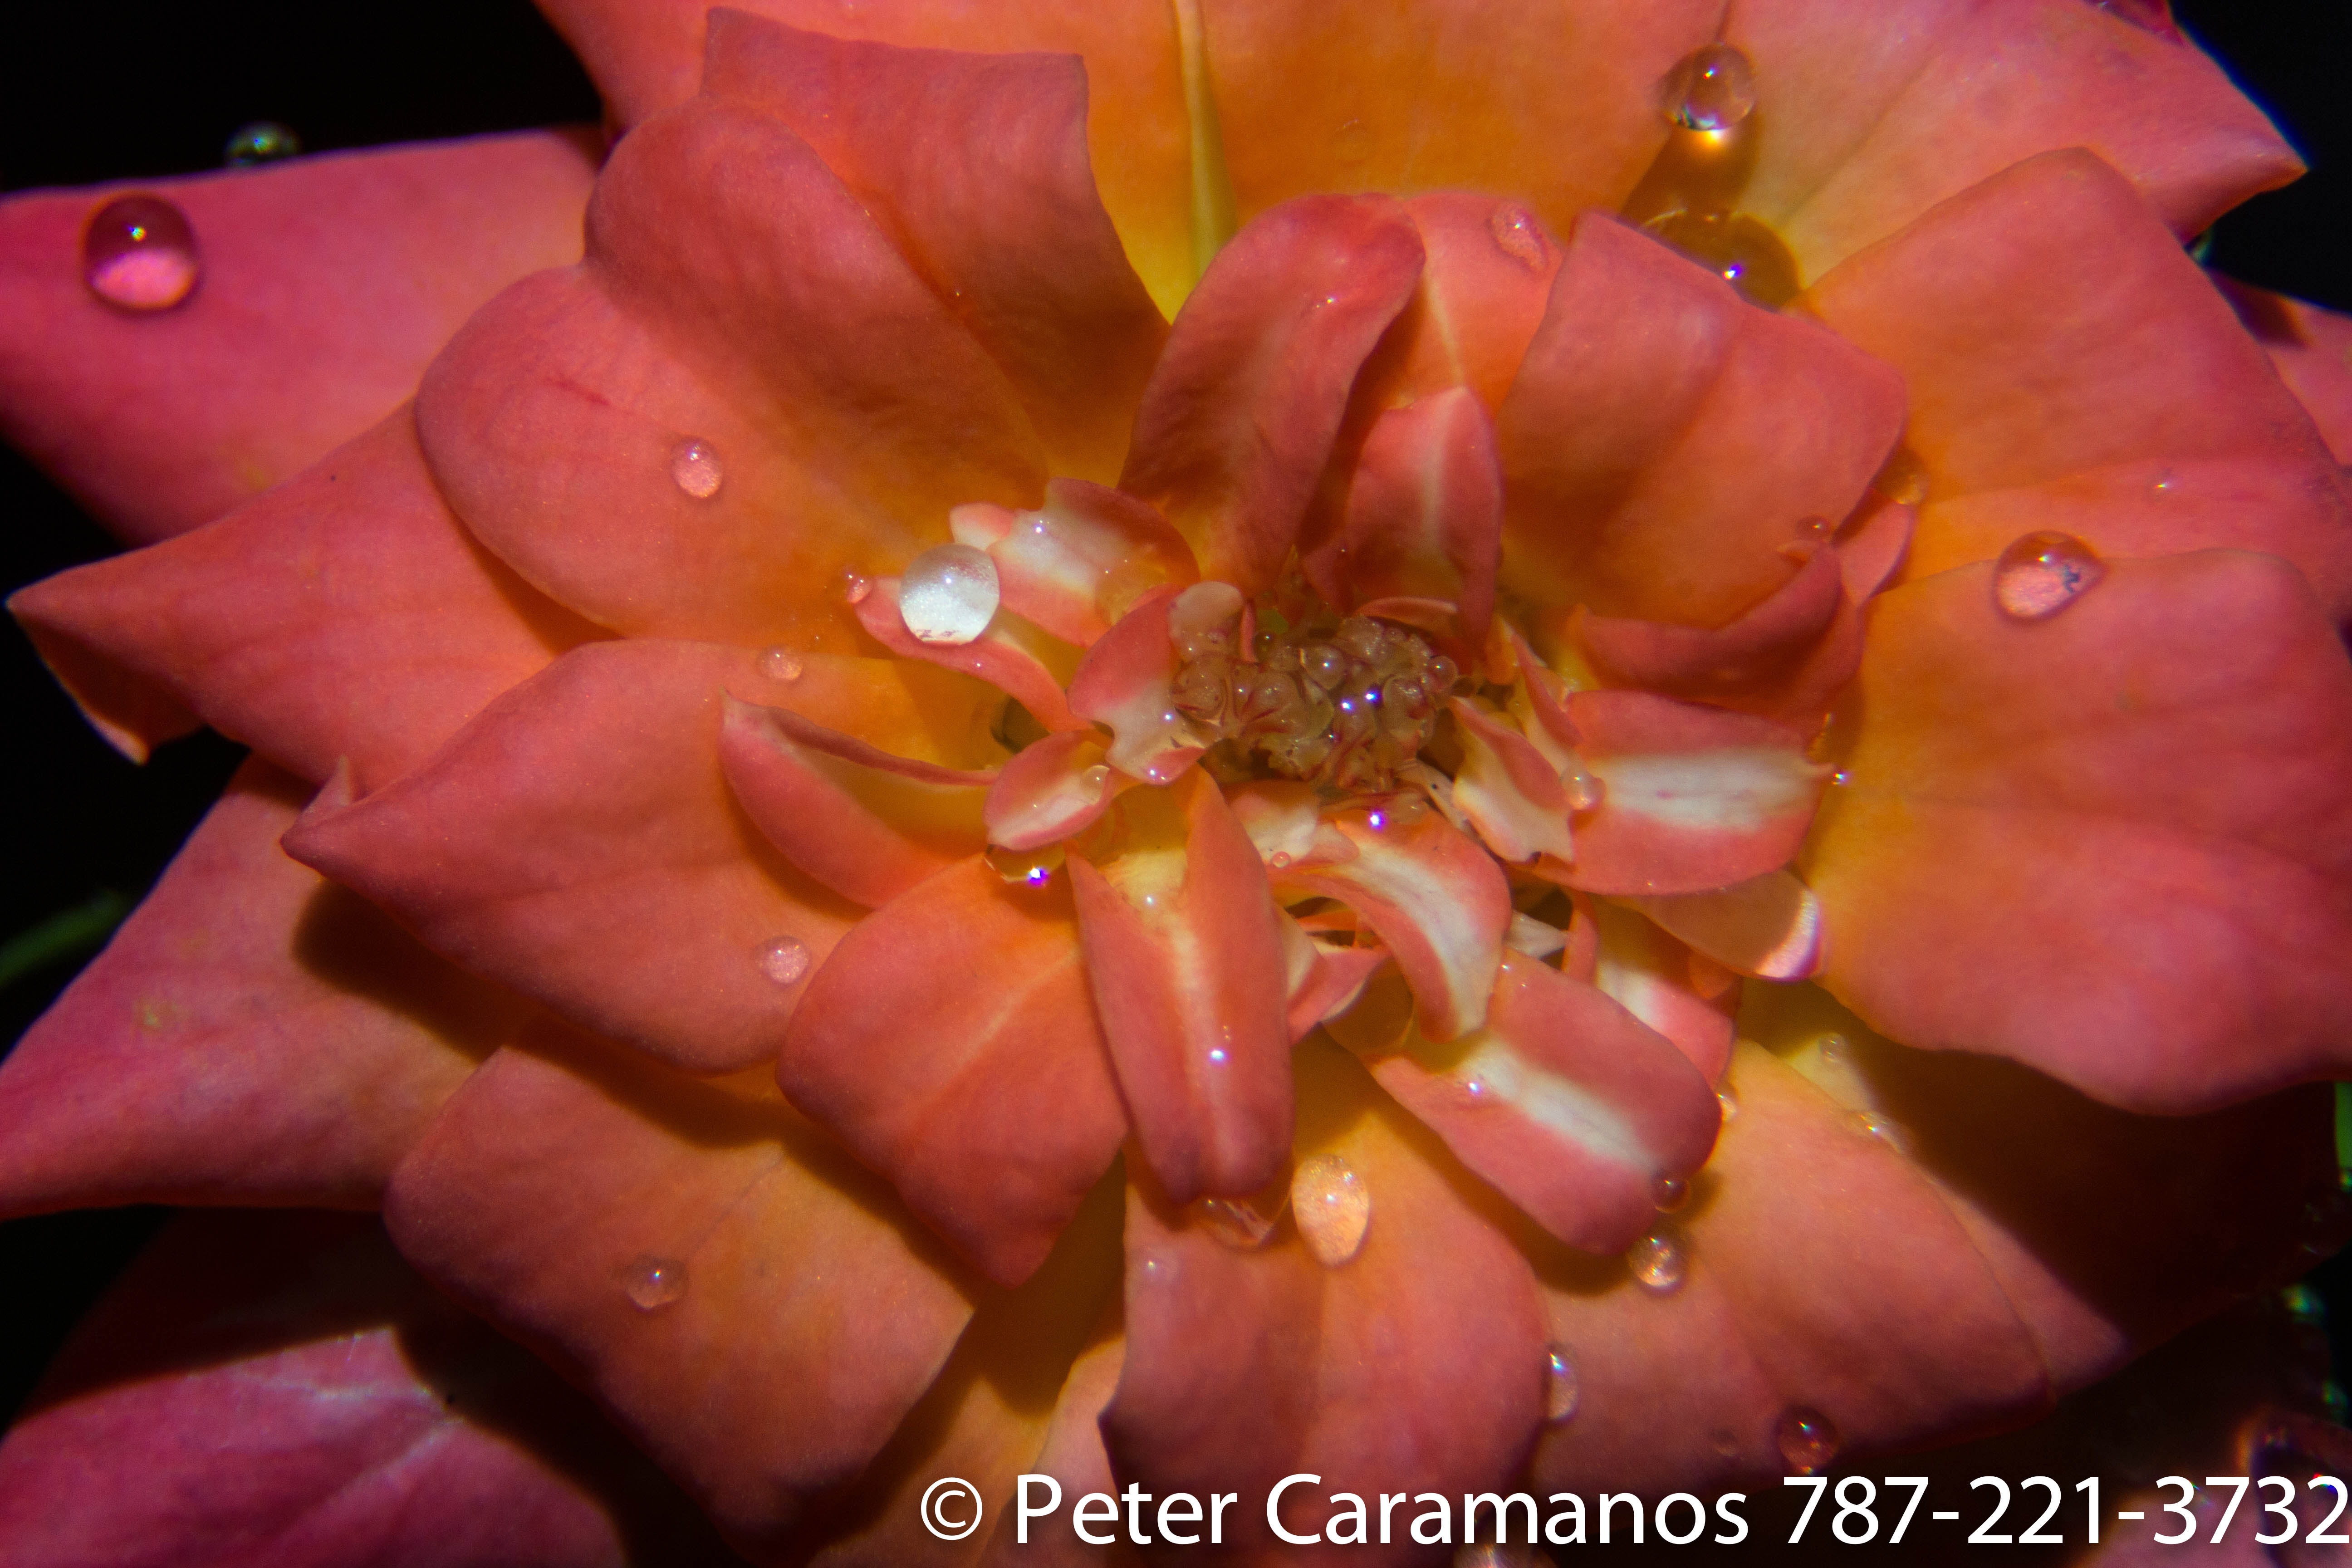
(854,587)
(138,254)
(1714,89)
(1807,1439)
(1726,1103)
(1519,236)
(1562,1390)
(653,1283)
(1658,1262)
(1741,249)
(785,961)
(780,663)
(949,594)
(694,468)
(1332,1206)
(2041,574)
(262,141)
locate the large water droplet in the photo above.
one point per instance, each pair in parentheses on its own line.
(138,254)
(1332,1206)
(1518,235)
(653,1283)
(949,594)
(1741,249)
(1714,89)
(1562,1389)
(262,141)
(1670,1193)
(2041,574)
(1658,1261)
(695,469)
(780,663)
(1807,1439)
(785,960)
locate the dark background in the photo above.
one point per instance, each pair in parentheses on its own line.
(99,92)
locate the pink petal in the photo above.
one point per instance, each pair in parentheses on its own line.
(1239,416)
(1718,662)
(865,824)
(1029,665)
(1664,438)
(1873,125)
(1571,1107)
(577,843)
(346,617)
(1184,955)
(951,1044)
(1692,797)
(1437,900)
(327,284)
(1127,684)
(1417,1365)
(1769,926)
(2114,843)
(1068,565)
(2045,396)
(278,1388)
(1659,980)
(770,318)
(1511,795)
(1424,514)
(976,166)
(1484,287)
(2311,348)
(1051,790)
(252,1035)
(568,1182)
(1324,979)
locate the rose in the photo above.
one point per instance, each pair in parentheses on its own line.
(583,989)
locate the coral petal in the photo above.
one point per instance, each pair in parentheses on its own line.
(1769,926)
(577,843)
(1652,975)
(1184,954)
(1509,792)
(1127,684)
(1026,663)
(1324,979)
(1702,662)
(1239,416)
(1482,291)
(345,616)
(1060,564)
(329,283)
(1424,512)
(1048,792)
(2310,347)
(951,1044)
(2113,844)
(561,1173)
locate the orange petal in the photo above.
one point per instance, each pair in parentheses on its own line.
(1069,564)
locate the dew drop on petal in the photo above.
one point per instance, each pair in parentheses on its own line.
(138,253)
(854,587)
(1670,1193)
(1518,235)
(1096,778)
(1714,89)
(1584,789)
(653,1283)
(1726,1103)
(2041,574)
(1333,1206)
(1352,143)
(1657,1262)
(1561,1388)
(262,141)
(1279,861)
(1806,1438)
(780,663)
(949,594)
(1833,1047)
(694,467)
(1740,249)
(1243,1224)
(785,960)
(1902,478)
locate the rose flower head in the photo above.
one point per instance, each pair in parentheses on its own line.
(1555,747)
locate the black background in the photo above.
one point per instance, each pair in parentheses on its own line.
(100,93)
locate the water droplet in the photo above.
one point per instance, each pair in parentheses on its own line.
(139,253)
(1583,788)
(1833,1047)
(1726,1103)
(1352,143)
(1670,1193)
(949,594)
(1741,249)
(1518,235)
(780,663)
(1714,89)
(1841,778)
(1279,861)
(2163,485)
(1243,1224)
(854,587)
(1885,1130)
(1902,478)
(785,960)
(2041,574)
(1724,1443)
(263,141)
(1657,1262)
(1333,1206)
(695,467)
(2303,1304)
(653,1283)
(1561,1388)
(1806,1438)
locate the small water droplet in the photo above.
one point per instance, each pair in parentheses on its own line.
(785,960)
(1333,1206)
(1807,1439)
(1726,1103)
(1096,778)
(1883,1129)
(1561,1388)
(138,253)
(263,141)
(1740,249)
(1842,778)
(1584,789)
(1902,478)
(1279,861)
(2303,1304)
(949,594)
(2163,485)
(1518,235)
(1657,1262)
(1714,89)
(1242,1223)
(1352,143)
(653,1283)
(1833,1047)
(854,587)
(2041,574)
(1725,1446)
(1670,1193)
(780,663)
(694,468)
